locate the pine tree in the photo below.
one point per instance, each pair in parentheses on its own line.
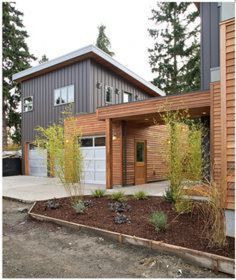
(16,57)
(103,42)
(43,59)
(175,57)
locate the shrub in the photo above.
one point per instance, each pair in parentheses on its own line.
(140,195)
(118,206)
(183,206)
(169,196)
(52,204)
(98,193)
(118,196)
(79,206)
(121,219)
(159,220)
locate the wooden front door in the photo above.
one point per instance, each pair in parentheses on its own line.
(140,162)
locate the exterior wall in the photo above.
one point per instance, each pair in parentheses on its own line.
(227,31)
(100,74)
(155,137)
(210,58)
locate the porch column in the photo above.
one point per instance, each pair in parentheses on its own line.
(108,153)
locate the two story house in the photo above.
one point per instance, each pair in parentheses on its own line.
(115,109)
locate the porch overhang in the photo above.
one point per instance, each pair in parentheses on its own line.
(197,103)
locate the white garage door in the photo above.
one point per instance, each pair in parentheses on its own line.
(37,161)
(94,155)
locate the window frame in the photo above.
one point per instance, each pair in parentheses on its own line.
(93,141)
(130,96)
(23,107)
(105,95)
(65,87)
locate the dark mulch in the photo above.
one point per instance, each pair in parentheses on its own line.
(184,230)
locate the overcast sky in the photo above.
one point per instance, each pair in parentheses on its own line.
(58,27)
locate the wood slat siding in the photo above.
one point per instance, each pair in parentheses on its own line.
(228,107)
(150,106)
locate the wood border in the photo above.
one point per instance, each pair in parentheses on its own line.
(203,259)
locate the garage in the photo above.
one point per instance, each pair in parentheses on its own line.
(94,159)
(37,161)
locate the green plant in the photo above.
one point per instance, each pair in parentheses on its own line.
(79,206)
(159,220)
(183,206)
(140,195)
(98,193)
(118,196)
(169,196)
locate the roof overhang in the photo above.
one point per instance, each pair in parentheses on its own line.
(84,53)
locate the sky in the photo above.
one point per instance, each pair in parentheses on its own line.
(57,27)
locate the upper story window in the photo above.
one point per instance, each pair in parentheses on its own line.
(127,97)
(108,94)
(64,95)
(28,104)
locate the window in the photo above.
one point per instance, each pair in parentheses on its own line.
(87,142)
(64,95)
(140,152)
(100,141)
(28,104)
(127,97)
(108,94)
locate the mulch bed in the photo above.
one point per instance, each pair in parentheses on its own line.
(184,230)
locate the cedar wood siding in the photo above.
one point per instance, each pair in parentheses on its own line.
(84,75)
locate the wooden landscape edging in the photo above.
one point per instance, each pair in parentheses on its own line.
(203,259)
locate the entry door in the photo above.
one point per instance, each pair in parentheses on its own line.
(140,162)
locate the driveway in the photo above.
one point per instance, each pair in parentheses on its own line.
(30,188)
(34,249)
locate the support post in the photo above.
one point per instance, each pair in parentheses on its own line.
(108,153)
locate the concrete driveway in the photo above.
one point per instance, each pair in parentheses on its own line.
(30,188)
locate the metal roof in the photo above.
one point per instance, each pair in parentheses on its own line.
(80,52)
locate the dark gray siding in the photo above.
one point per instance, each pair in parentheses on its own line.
(210,56)
(99,74)
(42,89)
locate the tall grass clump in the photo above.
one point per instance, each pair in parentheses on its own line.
(98,193)
(64,154)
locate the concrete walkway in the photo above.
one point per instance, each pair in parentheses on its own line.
(30,188)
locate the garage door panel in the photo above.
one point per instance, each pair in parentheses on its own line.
(100,153)
(37,162)
(94,162)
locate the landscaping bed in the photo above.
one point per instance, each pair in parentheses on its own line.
(183,230)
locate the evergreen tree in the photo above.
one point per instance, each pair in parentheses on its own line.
(103,42)
(43,59)
(175,57)
(16,57)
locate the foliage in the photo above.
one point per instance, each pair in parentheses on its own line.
(98,193)
(119,206)
(159,220)
(43,59)
(175,57)
(121,219)
(183,206)
(52,204)
(12,147)
(140,195)
(15,58)
(169,196)
(183,153)
(64,155)
(213,213)
(103,42)
(79,206)
(118,196)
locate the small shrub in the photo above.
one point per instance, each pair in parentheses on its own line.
(159,220)
(52,204)
(118,196)
(183,206)
(169,196)
(118,206)
(121,219)
(88,203)
(98,193)
(79,206)
(140,195)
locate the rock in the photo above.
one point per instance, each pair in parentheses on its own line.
(22,210)
(179,273)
